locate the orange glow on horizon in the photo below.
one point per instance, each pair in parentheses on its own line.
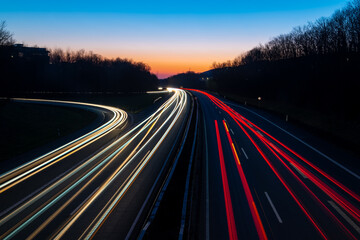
(164,68)
(166,64)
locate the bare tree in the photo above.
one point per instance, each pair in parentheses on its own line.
(57,56)
(338,34)
(5,36)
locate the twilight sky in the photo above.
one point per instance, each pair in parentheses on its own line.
(171,36)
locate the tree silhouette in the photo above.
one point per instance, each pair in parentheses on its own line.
(338,34)
(5,36)
(315,66)
(70,71)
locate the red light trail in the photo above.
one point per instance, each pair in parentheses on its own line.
(249,197)
(243,123)
(228,204)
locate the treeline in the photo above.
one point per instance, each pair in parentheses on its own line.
(311,75)
(336,35)
(189,79)
(315,67)
(32,69)
(86,71)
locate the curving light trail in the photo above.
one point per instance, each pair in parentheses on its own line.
(133,150)
(23,172)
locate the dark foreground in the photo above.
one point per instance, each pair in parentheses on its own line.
(197,168)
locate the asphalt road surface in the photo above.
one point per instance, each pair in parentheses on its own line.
(262,182)
(256,179)
(70,192)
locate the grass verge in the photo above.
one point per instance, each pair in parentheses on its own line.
(130,102)
(341,131)
(25,126)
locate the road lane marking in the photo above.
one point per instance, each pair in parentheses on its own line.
(298,170)
(146,226)
(85,175)
(244,153)
(152,189)
(167,181)
(179,110)
(157,99)
(253,209)
(351,222)
(232,131)
(219,112)
(283,182)
(306,144)
(273,207)
(43,192)
(228,205)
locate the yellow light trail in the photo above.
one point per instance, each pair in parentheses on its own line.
(27,170)
(179,99)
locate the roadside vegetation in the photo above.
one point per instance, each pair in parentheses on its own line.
(25,69)
(133,102)
(25,126)
(83,76)
(310,74)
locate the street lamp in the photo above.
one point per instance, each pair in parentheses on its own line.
(259,99)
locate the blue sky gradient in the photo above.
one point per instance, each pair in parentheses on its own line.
(170,36)
(166,7)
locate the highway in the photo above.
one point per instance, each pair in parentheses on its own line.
(262,182)
(197,167)
(70,192)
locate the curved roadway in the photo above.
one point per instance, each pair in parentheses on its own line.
(256,180)
(70,192)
